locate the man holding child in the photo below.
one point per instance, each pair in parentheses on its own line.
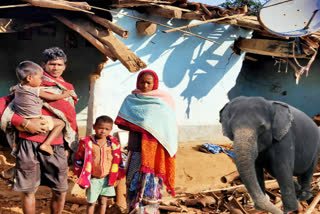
(33,166)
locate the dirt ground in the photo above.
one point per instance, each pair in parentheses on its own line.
(196,171)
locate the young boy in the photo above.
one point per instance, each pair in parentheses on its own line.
(28,101)
(98,164)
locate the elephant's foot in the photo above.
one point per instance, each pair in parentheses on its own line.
(291,207)
(305,195)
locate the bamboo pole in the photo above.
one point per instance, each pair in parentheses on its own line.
(201,23)
(108,24)
(186,32)
(14,6)
(230,177)
(100,46)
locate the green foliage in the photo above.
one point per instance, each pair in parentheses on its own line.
(253,5)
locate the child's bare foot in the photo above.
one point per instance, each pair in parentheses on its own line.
(46,148)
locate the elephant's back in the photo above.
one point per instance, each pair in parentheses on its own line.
(307,140)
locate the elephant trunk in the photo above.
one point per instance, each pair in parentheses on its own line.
(245,154)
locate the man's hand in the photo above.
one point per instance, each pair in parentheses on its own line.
(35,126)
(66,93)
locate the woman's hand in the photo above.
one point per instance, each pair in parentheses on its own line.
(34,126)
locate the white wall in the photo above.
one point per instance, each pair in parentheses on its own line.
(196,72)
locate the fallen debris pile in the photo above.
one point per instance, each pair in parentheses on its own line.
(235,199)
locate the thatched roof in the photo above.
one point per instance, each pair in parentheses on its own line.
(93,20)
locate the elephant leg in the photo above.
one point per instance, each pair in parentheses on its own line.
(305,182)
(297,188)
(260,177)
(288,193)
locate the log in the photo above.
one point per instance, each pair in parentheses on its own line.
(313,204)
(146,28)
(100,46)
(171,208)
(110,25)
(230,177)
(55,5)
(267,47)
(131,61)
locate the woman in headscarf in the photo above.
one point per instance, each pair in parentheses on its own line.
(148,113)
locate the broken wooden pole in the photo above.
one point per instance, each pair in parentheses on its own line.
(129,59)
(230,177)
(146,28)
(100,46)
(92,88)
(108,24)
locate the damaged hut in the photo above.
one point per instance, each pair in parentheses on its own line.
(197,50)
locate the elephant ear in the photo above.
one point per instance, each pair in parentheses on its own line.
(282,120)
(221,112)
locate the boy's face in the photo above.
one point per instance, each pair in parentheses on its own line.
(146,82)
(35,80)
(55,67)
(102,129)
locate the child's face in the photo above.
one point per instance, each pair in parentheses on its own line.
(102,129)
(35,80)
(146,82)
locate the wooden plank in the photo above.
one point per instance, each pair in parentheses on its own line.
(95,42)
(267,47)
(110,25)
(64,5)
(128,58)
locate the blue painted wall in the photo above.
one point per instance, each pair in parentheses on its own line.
(197,73)
(262,78)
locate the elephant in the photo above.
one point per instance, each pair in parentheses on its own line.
(276,137)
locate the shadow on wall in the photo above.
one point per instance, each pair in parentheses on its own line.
(203,62)
(262,78)
(15,49)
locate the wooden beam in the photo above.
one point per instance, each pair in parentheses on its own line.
(129,59)
(78,28)
(267,47)
(110,25)
(165,12)
(64,5)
